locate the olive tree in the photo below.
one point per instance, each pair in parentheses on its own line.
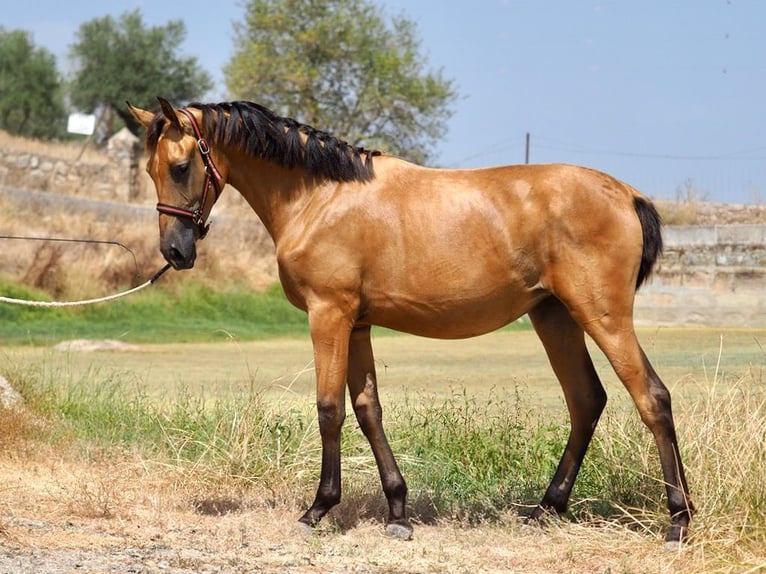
(123,59)
(344,67)
(31,97)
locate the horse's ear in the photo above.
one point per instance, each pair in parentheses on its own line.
(144,118)
(170,113)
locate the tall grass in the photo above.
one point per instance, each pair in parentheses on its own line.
(464,458)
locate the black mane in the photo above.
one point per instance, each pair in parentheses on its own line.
(260,132)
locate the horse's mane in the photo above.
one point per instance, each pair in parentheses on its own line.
(259,132)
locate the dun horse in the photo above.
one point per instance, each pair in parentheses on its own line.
(363,238)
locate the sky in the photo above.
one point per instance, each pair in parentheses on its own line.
(667,95)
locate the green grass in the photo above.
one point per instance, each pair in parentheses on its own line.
(463,457)
(466,457)
(191,313)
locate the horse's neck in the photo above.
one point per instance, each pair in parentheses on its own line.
(275,194)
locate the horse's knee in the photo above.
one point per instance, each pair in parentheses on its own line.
(331,415)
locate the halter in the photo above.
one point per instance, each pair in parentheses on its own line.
(212,176)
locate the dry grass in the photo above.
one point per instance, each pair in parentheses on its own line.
(91,511)
(686,358)
(61,504)
(54,149)
(152,521)
(236,252)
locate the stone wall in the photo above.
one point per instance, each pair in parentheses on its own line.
(112,173)
(708,275)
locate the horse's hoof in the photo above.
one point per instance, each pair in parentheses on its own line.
(676,538)
(532,527)
(400,531)
(304,530)
(673,545)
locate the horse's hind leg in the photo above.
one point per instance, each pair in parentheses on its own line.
(362,387)
(610,323)
(564,342)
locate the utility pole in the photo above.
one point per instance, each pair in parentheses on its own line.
(526,150)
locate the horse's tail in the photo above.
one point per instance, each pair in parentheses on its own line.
(651,228)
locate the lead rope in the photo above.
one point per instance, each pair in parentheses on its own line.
(30,303)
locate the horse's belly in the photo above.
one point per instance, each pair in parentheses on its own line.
(450,317)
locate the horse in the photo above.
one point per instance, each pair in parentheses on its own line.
(364,238)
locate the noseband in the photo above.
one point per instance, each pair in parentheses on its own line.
(212,177)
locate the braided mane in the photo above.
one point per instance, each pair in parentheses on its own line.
(259,132)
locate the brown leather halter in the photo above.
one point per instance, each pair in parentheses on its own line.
(212,177)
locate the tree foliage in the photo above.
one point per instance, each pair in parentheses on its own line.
(31,98)
(122,59)
(340,66)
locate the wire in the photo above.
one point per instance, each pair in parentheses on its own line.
(69,240)
(31,303)
(557,145)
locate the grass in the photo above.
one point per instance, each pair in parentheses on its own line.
(467,457)
(194,313)
(472,454)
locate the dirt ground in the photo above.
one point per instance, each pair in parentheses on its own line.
(59,516)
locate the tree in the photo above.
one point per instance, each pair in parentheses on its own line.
(339,66)
(31,99)
(118,60)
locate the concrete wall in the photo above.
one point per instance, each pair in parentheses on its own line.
(708,275)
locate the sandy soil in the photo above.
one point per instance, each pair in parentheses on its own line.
(108,515)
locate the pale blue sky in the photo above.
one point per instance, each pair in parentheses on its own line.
(657,92)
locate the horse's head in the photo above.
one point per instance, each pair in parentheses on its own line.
(185,177)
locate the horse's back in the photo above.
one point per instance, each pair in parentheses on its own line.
(454,253)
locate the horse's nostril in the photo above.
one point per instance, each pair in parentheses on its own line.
(179,258)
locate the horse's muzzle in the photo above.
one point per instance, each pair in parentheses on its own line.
(178,247)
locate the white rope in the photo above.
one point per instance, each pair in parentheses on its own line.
(30,303)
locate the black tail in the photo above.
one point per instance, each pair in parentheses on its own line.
(651,226)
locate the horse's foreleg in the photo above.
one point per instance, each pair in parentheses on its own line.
(564,342)
(330,335)
(362,385)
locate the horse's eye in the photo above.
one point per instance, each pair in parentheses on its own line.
(179,172)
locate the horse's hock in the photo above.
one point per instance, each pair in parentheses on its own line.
(712,275)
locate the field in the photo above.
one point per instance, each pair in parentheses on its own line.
(78,499)
(192,445)
(688,359)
